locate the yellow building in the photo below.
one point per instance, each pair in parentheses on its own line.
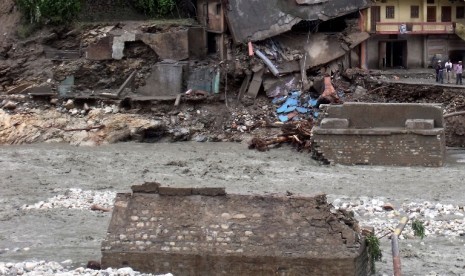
(412,33)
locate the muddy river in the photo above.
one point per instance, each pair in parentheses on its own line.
(33,173)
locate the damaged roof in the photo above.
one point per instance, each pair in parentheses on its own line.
(260,19)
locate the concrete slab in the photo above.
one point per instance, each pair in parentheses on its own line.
(322,48)
(170,45)
(256,83)
(201,79)
(261,19)
(165,80)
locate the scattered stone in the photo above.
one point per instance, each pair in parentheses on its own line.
(54,101)
(95,265)
(73,111)
(69,104)
(388,207)
(10,105)
(86,107)
(108,110)
(75,199)
(33,268)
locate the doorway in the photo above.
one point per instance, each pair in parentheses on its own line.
(393,54)
(457,55)
(431,14)
(446,14)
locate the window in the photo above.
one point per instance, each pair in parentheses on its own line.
(414,11)
(430,1)
(390,12)
(460,12)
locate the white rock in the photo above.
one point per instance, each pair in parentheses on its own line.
(29,266)
(69,104)
(125,271)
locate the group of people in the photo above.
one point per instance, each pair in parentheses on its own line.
(447,70)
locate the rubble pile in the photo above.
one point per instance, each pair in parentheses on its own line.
(439,219)
(44,268)
(75,198)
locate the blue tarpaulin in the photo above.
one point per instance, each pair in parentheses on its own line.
(293,102)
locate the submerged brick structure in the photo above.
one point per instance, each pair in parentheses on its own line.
(206,232)
(381,134)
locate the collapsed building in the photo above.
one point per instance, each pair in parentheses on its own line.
(301,54)
(204,231)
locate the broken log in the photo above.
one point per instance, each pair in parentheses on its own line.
(96,207)
(454,114)
(262,144)
(85,128)
(130,79)
(178,100)
(395,246)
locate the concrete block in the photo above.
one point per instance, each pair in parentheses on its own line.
(147,187)
(165,80)
(419,124)
(332,123)
(170,191)
(209,191)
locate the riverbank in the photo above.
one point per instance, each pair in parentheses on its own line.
(52,173)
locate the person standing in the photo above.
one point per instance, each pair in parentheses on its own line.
(439,72)
(448,68)
(458,73)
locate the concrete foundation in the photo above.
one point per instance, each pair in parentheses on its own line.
(203,231)
(381,134)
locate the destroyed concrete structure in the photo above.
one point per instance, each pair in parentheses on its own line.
(381,134)
(204,231)
(261,19)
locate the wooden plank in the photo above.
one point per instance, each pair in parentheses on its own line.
(255,84)
(244,86)
(125,84)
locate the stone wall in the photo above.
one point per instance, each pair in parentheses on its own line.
(206,232)
(381,134)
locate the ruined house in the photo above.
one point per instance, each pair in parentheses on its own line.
(394,135)
(204,231)
(415,33)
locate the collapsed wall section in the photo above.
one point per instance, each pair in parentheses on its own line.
(206,232)
(381,134)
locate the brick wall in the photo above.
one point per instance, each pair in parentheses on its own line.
(393,149)
(194,232)
(381,134)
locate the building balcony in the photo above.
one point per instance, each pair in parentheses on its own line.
(415,27)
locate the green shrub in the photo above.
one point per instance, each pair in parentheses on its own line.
(155,7)
(50,11)
(165,7)
(374,250)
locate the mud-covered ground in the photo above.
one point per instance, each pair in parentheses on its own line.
(34,173)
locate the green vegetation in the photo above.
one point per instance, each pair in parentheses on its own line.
(418,228)
(374,250)
(49,11)
(155,7)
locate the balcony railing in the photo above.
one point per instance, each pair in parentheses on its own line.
(415,27)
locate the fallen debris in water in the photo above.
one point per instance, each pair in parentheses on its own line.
(298,133)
